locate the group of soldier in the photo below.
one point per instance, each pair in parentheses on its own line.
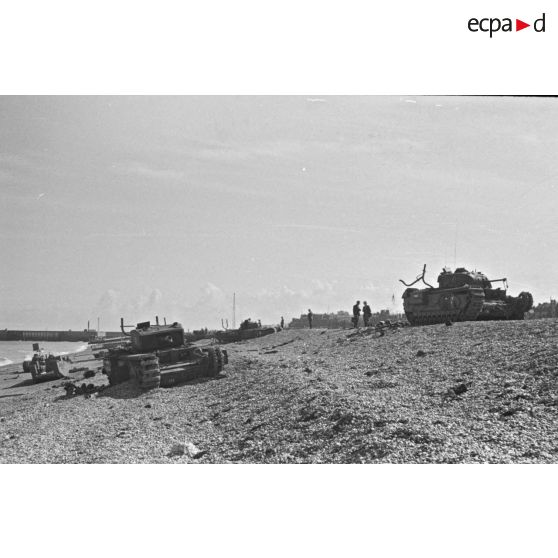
(366,313)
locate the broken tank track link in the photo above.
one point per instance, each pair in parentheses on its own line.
(145,370)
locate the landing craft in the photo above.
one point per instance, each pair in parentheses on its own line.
(462,296)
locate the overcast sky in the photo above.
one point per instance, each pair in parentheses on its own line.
(137,206)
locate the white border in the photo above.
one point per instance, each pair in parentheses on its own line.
(271,47)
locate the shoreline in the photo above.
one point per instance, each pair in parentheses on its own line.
(82,347)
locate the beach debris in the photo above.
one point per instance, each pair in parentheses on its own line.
(341,418)
(455,391)
(176,450)
(85,389)
(191,449)
(460,388)
(511,411)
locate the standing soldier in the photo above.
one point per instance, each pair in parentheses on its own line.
(366,313)
(310,316)
(356,313)
(282,323)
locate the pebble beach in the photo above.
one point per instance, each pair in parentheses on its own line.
(477,392)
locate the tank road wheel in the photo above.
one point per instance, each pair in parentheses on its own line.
(526,301)
(116,369)
(212,362)
(34,372)
(146,371)
(220,358)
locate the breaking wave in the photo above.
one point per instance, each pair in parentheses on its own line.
(12,352)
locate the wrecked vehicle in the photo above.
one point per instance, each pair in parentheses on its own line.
(247,330)
(44,366)
(461,296)
(158,355)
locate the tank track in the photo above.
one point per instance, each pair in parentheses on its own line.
(468,313)
(145,370)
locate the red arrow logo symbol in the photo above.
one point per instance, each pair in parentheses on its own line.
(519,25)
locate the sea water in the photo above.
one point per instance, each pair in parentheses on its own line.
(17,351)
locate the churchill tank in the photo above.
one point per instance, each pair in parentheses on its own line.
(158,355)
(462,296)
(247,330)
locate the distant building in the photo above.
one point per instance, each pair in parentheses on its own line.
(543,310)
(341,319)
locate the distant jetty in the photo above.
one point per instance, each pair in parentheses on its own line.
(87,335)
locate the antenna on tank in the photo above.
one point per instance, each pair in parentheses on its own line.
(234,311)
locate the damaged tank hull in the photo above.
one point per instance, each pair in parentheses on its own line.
(247,330)
(234,335)
(463,296)
(157,355)
(45,368)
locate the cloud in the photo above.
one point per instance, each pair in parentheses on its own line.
(212,304)
(109,302)
(143,170)
(207,309)
(317,228)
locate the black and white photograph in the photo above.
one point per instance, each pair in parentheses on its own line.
(279,279)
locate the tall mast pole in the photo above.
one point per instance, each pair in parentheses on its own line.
(455,249)
(234,311)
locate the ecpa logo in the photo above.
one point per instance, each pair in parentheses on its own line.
(492,25)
